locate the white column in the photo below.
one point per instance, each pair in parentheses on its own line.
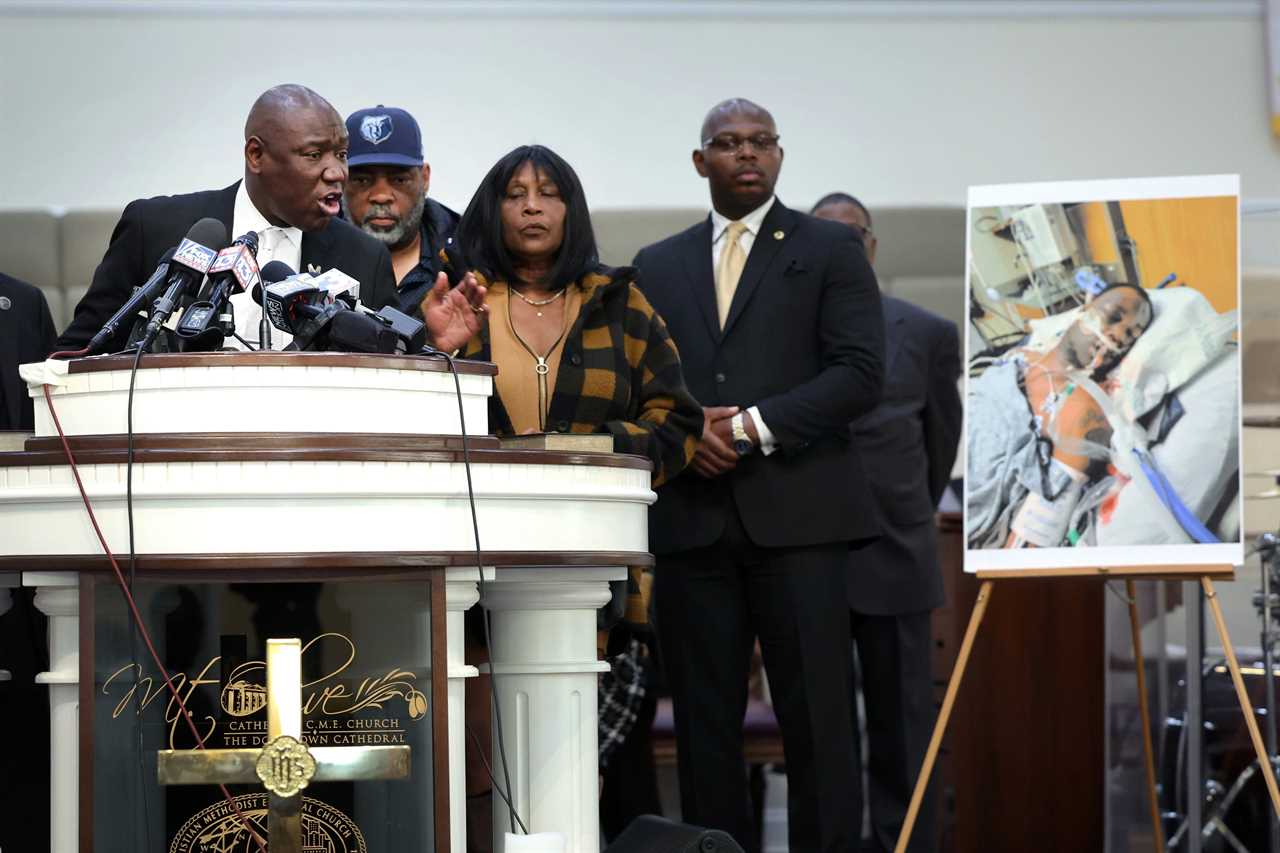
(461,593)
(58,597)
(8,580)
(544,660)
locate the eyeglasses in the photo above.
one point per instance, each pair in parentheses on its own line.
(727,143)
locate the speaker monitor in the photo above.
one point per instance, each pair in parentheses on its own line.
(653,834)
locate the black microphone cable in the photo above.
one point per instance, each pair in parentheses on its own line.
(126,585)
(134,657)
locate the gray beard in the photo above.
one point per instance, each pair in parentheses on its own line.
(398,236)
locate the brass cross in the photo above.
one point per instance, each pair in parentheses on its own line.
(284,765)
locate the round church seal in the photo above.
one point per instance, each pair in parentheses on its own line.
(217,829)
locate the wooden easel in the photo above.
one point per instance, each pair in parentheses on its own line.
(1205,574)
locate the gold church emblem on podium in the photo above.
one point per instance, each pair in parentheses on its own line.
(217,829)
(242,698)
(285,765)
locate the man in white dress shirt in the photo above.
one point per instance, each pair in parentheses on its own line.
(295,169)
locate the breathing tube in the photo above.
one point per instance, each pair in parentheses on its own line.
(1131,458)
(1164,490)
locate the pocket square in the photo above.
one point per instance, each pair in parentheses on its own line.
(796,267)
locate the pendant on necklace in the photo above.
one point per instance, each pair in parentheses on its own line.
(539,313)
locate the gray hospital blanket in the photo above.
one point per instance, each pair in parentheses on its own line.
(1006,458)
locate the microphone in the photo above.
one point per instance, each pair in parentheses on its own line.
(411,333)
(274,271)
(140,297)
(202,327)
(296,305)
(195,254)
(304,306)
(300,306)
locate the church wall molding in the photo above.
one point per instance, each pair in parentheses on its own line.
(649,9)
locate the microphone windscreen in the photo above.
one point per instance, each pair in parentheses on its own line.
(276,271)
(249,239)
(271,273)
(211,233)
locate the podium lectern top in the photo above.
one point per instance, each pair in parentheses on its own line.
(262,392)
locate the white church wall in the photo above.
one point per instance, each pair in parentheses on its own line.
(107,101)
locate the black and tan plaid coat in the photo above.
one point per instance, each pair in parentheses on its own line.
(619,373)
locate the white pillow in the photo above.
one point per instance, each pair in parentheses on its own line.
(1186,335)
(1199,457)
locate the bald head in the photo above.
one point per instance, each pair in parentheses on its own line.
(269,112)
(295,157)
(726,111)
(739,156)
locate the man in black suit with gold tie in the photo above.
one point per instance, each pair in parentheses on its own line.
(908,445)
(777,318)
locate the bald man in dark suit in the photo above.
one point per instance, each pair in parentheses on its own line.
(295,168)
(908,444)
(777,318)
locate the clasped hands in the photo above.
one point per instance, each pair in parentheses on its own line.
(453,315)
(715,454)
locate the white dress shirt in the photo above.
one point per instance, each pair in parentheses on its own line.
(274,244)
(747,239)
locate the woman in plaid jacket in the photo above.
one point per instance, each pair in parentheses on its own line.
(579,349)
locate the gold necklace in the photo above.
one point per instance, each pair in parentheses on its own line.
(538,303)
(541,368)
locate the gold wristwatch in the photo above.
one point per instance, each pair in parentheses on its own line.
(741,441)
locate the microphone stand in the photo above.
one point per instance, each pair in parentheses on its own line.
(1267,545)
(264,327)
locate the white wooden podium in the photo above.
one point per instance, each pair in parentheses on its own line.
(300,454)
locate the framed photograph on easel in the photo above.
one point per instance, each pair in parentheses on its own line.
(1103,376)
(1103,385)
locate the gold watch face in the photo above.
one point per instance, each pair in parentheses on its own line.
(285,766)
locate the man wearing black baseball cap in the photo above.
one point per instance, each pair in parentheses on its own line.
(386,198)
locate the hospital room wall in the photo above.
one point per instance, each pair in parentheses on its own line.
(1194,238)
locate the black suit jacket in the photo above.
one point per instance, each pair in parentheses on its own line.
(908,445)
(803,341)
(26,334)
(149,227)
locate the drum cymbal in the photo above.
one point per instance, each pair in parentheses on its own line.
(1270,494)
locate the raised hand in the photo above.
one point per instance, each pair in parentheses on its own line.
(453,315)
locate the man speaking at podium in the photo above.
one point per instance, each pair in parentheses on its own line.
(295,167)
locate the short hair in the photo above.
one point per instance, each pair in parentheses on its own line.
(1142,291)
(841,198)
(479,234)
(731,106)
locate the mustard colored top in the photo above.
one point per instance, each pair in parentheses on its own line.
(517,382)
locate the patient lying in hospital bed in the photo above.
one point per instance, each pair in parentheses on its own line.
(1112,424)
